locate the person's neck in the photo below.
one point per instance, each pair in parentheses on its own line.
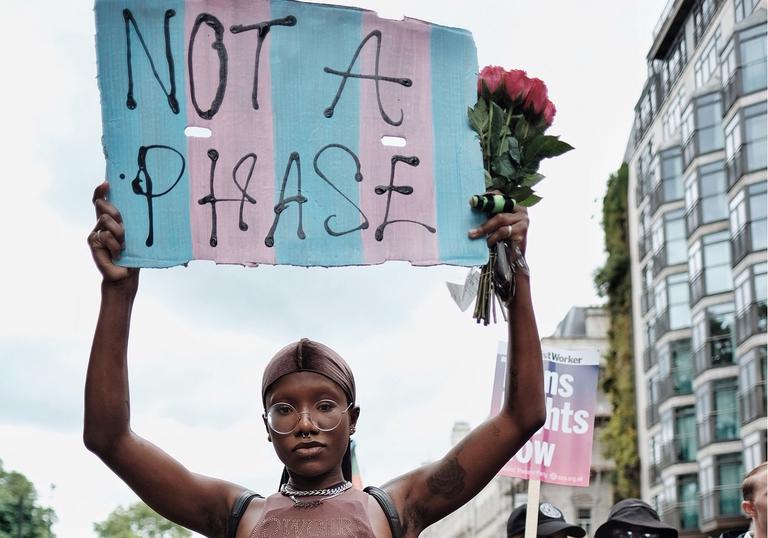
(306,483)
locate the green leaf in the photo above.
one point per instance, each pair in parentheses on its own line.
(546,146)
(496,128)
(488,179)
(478,117)
(514,149)
(529,180)
(532,200)
(521,129)
(503,166)
(520,193)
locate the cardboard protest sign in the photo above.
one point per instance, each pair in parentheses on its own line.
(561,451)
(297,98)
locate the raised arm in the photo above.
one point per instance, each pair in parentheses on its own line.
(194,501)
(432,492)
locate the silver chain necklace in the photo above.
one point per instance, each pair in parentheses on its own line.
(327,493)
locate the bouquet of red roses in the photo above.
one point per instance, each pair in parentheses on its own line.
(510,118)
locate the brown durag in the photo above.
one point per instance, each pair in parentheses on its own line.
(308,356)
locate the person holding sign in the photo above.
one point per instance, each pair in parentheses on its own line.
(310,412)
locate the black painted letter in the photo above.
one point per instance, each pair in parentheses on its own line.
(221,51)
(358,178)
(400,189)
(130,102)
(282,205)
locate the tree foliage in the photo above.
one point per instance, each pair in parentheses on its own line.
(613,281)
(20,514)
(138,521)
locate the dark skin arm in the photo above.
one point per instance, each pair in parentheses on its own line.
(194,501)
(428,494)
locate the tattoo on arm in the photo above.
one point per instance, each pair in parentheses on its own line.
(447,480)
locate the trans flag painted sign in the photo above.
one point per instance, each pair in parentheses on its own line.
(561,451)
(255,131)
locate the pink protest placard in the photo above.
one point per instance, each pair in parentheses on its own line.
(561,451)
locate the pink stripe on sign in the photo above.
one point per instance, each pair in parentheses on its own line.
(405,53)
(254,137)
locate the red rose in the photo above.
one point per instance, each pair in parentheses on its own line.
(536,99)
(490,79)
(517,84)
(549,113)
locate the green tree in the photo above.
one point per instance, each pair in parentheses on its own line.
(20,515)
(613,281)
(138,521)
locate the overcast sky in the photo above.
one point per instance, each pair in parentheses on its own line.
(196,362)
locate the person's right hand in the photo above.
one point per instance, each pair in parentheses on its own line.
(107,240)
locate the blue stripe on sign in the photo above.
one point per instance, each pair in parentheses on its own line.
(458,158)
(324,36)
(125,132)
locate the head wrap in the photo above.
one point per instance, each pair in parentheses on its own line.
(308,356)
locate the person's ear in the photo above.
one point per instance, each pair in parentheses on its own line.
(748,508)
(266,425)
(354,414)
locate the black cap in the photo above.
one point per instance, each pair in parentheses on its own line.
(634,513)
(551,521)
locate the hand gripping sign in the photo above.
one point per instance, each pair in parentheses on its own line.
(297,98)
(561,451)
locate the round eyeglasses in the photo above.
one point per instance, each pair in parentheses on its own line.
(326,415)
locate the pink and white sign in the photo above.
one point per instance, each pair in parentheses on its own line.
(561,451)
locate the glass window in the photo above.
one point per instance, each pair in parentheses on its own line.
(720,322)
(743,9)
(708,123)
(727,62)
(687,123)
(753,449)
(755,136)
(732,138)
(673,116)
(681,361)
(712,188)
(679,309)
(729,476)
(672,174)
(738,210)
(674,231)
(752,47)
(716,250)
(674,63)
(706,65)
(757,215)
(742,290)
(685,428)
(688,494)
(725,410)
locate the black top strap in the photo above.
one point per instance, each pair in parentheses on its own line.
(385,501)
(238,509)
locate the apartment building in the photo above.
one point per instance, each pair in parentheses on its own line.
(697,218)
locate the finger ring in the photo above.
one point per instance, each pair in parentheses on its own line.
(98,236)
(509,230)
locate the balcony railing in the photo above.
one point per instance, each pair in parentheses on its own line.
(649,358)
(659,260)
(652,415)
(698,288)
(715,352)
(661,195)
(741,244)
(683,516)
(723,502)
(736,166)
(673,385)
(690,150)
(753,403)
(682,449)
(732,90)
(693,218)
(719,427)
(752,320)
(662,323)
(643,246)
(646,301)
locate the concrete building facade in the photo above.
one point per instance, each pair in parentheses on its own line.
(486,515)
(697,221)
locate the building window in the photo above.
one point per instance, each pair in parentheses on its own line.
(688,495)
(646,107)
(644,245)
(645,165)
(743,9)
(703,12)
(754,449)
(752,50)
(672,117)
(705,196)
(668,241)
(652,411)
(751,298)
(749,217)
(676,368)
(674,63)
(706,65)
(646,295)
(649,358)
(584,519)
(755,137)
(670,185)
(702,130)
(678,434)
(728,63)
(672,304)
(712,337)
(709,265)
(729,477)
(717,411)
(655,456)
(752,385)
